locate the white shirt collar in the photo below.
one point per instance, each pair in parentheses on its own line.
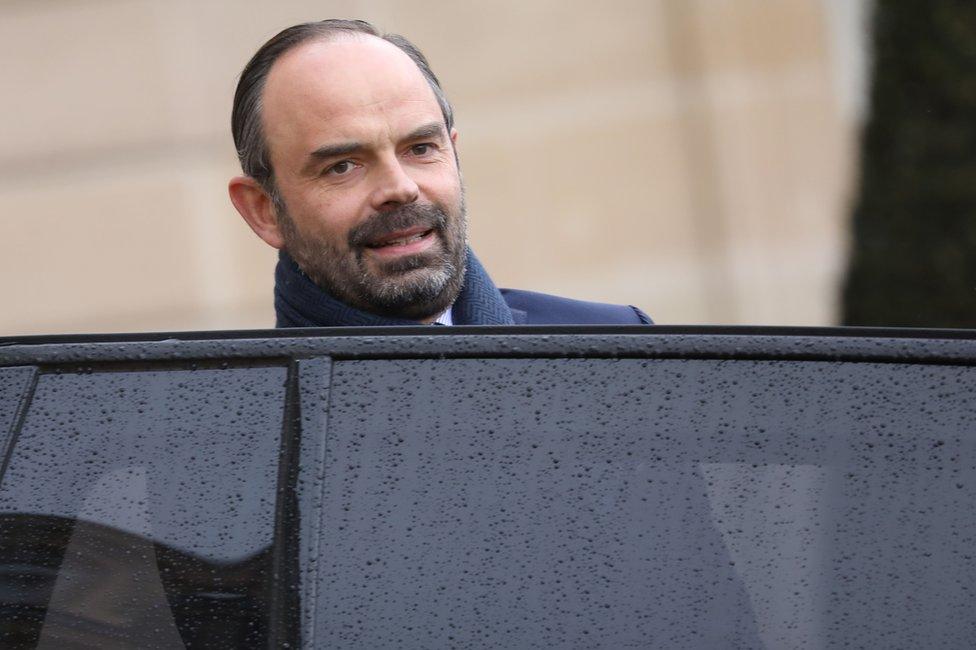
(445,318)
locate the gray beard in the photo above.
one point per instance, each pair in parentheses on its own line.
(416,287)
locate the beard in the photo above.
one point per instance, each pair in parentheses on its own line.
(414,287)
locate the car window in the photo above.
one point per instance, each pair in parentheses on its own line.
(14,384)
(648,503)
(137,509)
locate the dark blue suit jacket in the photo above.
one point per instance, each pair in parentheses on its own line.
(531,308)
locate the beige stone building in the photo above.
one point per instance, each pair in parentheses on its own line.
(692,157)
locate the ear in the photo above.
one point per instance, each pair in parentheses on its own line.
(454,138)
(256,207)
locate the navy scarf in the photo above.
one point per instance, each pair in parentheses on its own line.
(299,302)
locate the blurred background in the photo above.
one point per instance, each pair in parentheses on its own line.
(697,158)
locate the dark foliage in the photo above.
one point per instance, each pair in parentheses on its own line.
(913,257)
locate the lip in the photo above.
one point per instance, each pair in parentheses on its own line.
(404,242)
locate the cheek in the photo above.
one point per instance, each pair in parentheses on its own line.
(445,186)
(330,218)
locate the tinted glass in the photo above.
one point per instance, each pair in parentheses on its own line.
(138,510)
(648,503)
(13,392)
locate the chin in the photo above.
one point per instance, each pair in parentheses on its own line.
(418,294)
(425,295)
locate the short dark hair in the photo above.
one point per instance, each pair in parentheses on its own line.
(252,148)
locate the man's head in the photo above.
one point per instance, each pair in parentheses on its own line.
(348,149)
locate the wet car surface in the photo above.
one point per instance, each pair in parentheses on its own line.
(485,487)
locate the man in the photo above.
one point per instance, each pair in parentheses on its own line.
(348,148)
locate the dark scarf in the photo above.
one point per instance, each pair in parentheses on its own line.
(299,302)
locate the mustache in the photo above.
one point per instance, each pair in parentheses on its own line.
(428,216)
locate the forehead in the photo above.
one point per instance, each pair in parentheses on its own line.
(340,88)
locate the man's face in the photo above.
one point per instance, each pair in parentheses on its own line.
(371,205)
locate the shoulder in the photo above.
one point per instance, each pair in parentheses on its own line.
(543,309)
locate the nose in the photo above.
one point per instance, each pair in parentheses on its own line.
(394,187)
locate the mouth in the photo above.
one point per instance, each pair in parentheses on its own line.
(402,242)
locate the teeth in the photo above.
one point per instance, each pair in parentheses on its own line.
(401,242)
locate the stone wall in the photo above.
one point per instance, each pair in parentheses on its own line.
(692,157)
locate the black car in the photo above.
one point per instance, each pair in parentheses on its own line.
(490,487)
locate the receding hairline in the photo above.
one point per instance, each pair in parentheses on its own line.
(339,37)
(247,115)
(283,59)
(331,36)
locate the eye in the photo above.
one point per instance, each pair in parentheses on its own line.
(422,149)
(341,168)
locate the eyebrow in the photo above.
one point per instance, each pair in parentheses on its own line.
(434,129)
(326,152)
(329,151)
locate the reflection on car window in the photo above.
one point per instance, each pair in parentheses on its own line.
(138,510)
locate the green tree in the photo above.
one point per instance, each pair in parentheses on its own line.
(913,257)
